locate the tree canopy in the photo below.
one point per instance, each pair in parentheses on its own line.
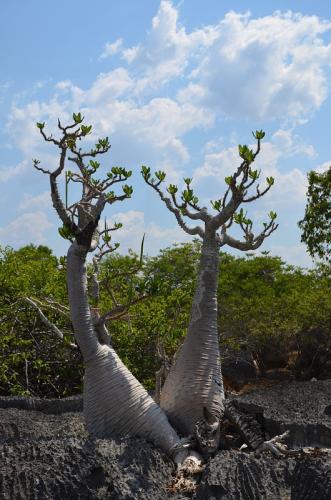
(263,302)
(316,224)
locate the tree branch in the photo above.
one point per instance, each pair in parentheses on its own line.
(251,243)
(119,311)
(47,322)
(176,211)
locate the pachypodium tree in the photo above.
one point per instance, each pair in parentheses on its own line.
(114,401)
(194,383)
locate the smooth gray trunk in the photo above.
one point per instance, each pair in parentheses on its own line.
(114,400)
(195,380)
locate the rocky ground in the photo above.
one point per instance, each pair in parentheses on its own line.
(48,456)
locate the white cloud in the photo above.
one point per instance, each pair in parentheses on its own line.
(269,67)
(134,228)
(292,254)
(111,49)
(153,130)
(108,86)
(27,228)
(324,167)
(130,54)
(7,173)
(272,67)
(41,200)
(291,144)
(167,48)
(290,186)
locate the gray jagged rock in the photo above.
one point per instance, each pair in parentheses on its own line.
(50,406)
(50,456)
(296,406)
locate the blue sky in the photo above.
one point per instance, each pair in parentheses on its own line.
(176,86)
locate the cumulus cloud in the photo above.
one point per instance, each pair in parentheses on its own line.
(324,167)
(111,49)
(168,47)
(27,228)
(176,82)
(290,186)
(134,228)
(41,200)
(269,67)
(153,130)
(7,173)
(295,254)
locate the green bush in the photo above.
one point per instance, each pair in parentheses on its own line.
(263,303)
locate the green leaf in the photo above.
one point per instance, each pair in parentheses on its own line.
(141,251)
(187,195)
(160,175)
(71,142)
(270,181)
(216,204)
(272,215)
(187,181)
(228,180)
(172,189)
(40,125)
(94,164)
(246,153)
(77,118)
(259,134)
(128,190)
(110,196)
(146,172)
(65,232)
(106,237)
(253,174)
(86,129)
(239,218)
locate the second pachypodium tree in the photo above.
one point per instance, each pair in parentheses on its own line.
(195,379)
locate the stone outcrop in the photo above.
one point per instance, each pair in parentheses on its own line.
(46,455)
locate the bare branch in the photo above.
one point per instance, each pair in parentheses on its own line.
(119,311)
(56,306)
(238,191)
(176,211)
(258,194)
(47,322)
(251,243)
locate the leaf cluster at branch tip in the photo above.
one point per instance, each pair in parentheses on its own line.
(160,175)
(245,153)
(66,233)
(78,118)
(146,172)
(241,218)
(127,190)
(258,134)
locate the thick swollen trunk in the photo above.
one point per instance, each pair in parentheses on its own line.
(195,380)
(114,401)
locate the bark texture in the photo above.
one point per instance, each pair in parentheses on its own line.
(114,400)
(195,380)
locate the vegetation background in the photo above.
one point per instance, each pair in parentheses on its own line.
(275,314)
